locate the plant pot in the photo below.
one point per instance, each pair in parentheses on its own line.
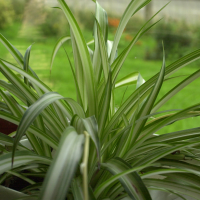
(7,127)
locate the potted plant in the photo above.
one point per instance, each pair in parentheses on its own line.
(88,148)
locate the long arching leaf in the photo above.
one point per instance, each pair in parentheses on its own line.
(21,158)
(132,183)
(131,9)
(63,167)
(85,58)
(31,113)
(57,47)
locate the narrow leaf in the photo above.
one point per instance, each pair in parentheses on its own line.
(59,43)
(91,127)
(128,80)
(85,58)
(179,188)
(131,183)
(175,90)
(146,108)
(21,158)
(131,9)
(102,22)
(63,167)
(31,113)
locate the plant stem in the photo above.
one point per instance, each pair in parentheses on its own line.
(85,166)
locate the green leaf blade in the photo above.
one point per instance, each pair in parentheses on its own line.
(131,183)
(59,43)
(31,113)
(64,165)
(85,58)
(131,9)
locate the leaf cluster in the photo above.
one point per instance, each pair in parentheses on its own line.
(89,148)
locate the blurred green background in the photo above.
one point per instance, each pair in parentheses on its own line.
(26,22)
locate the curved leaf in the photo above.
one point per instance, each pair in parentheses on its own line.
(91,127)
(176,89)
(131,9)
(26,63)
(153,173)
(57,47)
(152,128)
(29,94)
(181,165)
(31,113)
(15,53)
(75,107)
(104,106)
(77,189)
(53,142)
(52,122)
(79,94)
(157,154)
(148,104)
(128,80)
(128,106)
(85,58)
(8,141)
(132,183)
(101,23)
(103,52)
(12,89)
(169,185)
(21,158)
(174,136)
(117,64)
(63,167)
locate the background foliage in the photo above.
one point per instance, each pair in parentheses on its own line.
(7,15)
(50,27)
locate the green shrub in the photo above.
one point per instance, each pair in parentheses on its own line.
(86,19)
(6,14)
(18,7)
(134,24)
(176,36)
(90,148)
(54,24)
(196,35)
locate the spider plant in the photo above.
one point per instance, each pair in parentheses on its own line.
(89,148)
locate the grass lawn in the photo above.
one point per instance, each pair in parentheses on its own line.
(61,79)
